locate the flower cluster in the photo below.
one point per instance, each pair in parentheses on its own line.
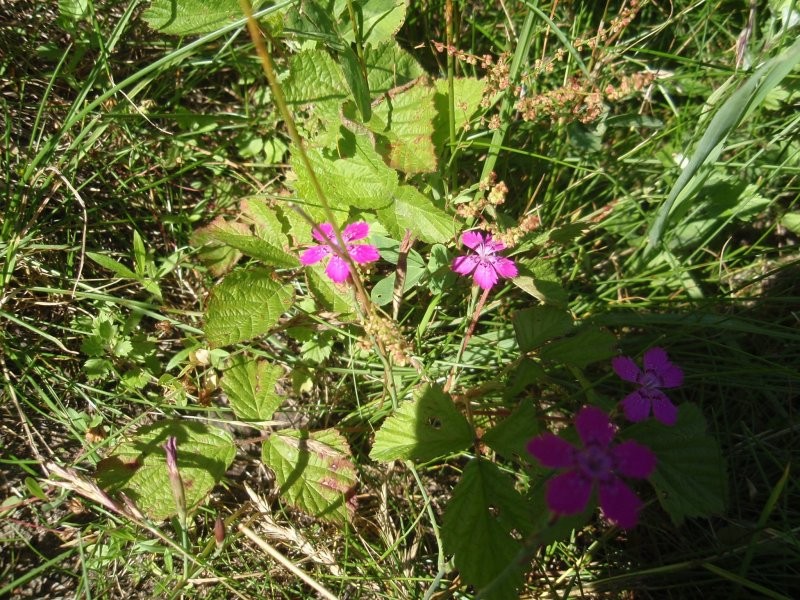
(600,464)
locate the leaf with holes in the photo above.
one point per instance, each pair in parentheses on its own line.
(247,303)
(314,471)
(427,427)
(250,386)
(138,467)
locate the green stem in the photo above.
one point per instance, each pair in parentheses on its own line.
(451,111)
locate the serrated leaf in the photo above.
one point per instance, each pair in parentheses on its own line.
(246,304)
(482,526)
(138,467)
(266,223)
(468,93)
(361,181)
(584,348)
(313,470)
(408,121)
(187,17)
(427,427)
(414,211)
(109,263)
(390,66)
(314,78)
(792,222)
(97,367)
(690,476)
(510,437)
(356,79)
(539,324)
(218,257)
(538,278)
(334,297)
(250,387)
(380,20)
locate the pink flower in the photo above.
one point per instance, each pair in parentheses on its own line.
(338,269)
(484,265)
(598,463)
(658,373)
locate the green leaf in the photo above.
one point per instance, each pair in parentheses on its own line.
(468,93)
(266,223)
(138,466)
(407,122)
(361,181)
(351,67)
(314,78)
(414,211)
(389,66)
(186,17)
(538,278)
(539,324)
(381,20)
(218,257)
(250,387)
(334,297)
(73,10)
(314,471)
(584,348)
(792,222)
(510,437)
(481,527)
(139,254)
(257,248)
(246,304)
(383,290)
(109,263)
(427,427)
(690,476)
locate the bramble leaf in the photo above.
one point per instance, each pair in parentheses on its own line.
(468,93)
(408,120)
(250,387)
(587,346)
(246,304)
(390,66)
(186,17)
(217,256)
(539,324)
(510,437)
(416,212)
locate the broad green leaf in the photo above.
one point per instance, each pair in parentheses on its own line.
(314,78)
(413,211)
(246,304)
(109,263)
(690,476)
(380,19)
(310,20)
(538,278)
(383,290)
(408,118)
(510,437)
(334,297)
(427,427)
(481,528)
(186,17)
(314,471)
(584,348)
(468,93)
(250,387)
(257,248)
(539,324)
(218,257)
(792,222)
(526,373)
(356,79)
(389,66)
(732,112)
(361,181)
(266,223)
(73,10)
(138,466)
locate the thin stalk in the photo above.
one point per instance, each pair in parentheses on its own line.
(451,69)
(451,379)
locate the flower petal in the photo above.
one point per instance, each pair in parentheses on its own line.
(485,276)
(363,253)
(552,451)
(594,426)
(472,239)
(655,359)
(633,459)
(465,265)
(337,270)
(568,494)
(356,231)
(671,376)
(323,233)
(493,245)
(505,267)
(626,368)
(663,408)
(619,504)
(314,254)
(636,406)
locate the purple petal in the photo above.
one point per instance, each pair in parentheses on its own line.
(314,255)
(493,245)
(663,408)
(356,231)
(363,253)
(636,406)
(619,504)
(472,239)
(323,233)
(505,267)
(671,376)
(465,265)
(485,276)
(634,459)
(552,451)
(626,368)
(594,426)
(337,270)
(568,494)
(655,359)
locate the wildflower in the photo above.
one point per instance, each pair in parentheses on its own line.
(338,269)
(175,481)
(484,265)
(599,463)
(658,373)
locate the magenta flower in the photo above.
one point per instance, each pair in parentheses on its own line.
(484,265)
(338,269)
(658,373)
(598,463)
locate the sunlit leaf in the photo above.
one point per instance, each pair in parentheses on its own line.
(250,387)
